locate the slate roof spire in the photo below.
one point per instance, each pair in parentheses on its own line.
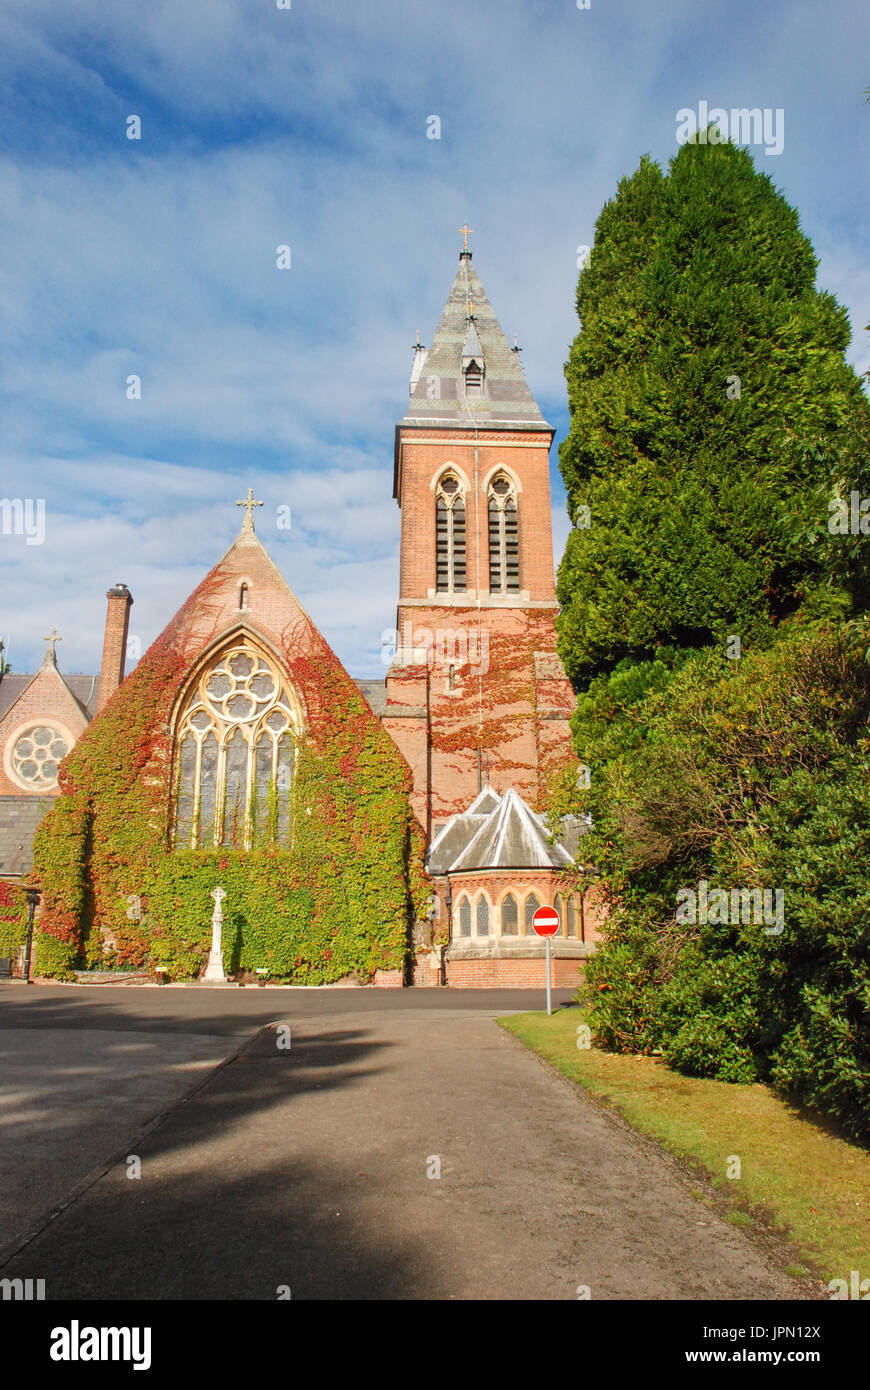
(469,331)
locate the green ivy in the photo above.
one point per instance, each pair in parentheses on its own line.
(339,900)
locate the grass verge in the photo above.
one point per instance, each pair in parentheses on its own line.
(797,1179)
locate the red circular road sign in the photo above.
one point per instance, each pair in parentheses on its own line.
(546,921)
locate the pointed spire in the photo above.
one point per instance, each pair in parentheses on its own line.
(468,332)
(420,355)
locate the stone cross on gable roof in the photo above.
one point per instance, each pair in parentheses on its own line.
(249,502)
(50,658)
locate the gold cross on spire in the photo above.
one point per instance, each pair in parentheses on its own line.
(466,231)
(51,638)
(249,503)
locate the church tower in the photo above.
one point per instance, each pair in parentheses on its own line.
(476,693)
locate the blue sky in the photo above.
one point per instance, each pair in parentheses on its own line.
(307,127)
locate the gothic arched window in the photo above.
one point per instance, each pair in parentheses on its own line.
(560,908)
(531,908)
(235,753)
(509,921)
(464,917)
(570,920)
(450,535)
(483,915)
(474,379)
(504,550)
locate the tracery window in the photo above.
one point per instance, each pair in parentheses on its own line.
(450,535)
(36,754)
(235,754)
(504,550)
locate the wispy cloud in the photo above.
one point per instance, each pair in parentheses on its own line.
(307,127)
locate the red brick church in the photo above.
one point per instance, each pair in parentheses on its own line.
(475,698)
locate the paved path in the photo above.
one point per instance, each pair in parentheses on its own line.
(307,1168)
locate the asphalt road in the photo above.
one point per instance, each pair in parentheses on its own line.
(402,1147)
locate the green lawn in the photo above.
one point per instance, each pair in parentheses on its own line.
(795,1176)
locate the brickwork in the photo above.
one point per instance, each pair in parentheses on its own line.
(513,974)
(45,699)
(424,455)
(114,643)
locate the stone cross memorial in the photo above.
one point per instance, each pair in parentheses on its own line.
(214,971)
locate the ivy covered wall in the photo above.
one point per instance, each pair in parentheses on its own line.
(339,900)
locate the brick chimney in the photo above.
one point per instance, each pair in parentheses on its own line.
(114,643)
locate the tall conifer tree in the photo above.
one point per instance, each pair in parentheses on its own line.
(713,418)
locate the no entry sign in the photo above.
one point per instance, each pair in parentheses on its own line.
(546,921)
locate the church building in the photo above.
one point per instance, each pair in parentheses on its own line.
(364,832)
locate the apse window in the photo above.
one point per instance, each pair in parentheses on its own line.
(235,755)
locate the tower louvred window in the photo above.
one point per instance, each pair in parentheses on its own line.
(504,549)
(450,535)
(235,745)
(474,379)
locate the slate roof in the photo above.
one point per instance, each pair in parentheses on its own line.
(375,695)
(83,688)
(507,401)
(19,817)
(498,832)
(455,834)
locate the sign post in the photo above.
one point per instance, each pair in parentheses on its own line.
(546,923)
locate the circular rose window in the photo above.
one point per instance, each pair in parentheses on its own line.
(36,755)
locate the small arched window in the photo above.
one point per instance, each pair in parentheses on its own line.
(532,905)
(570,923)
(474,378)
(483,915)
(560,908)
(509,919)
(464,917)
(504,550)
(450,535)
(243,597)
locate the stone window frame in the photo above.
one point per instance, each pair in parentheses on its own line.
(49,721)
